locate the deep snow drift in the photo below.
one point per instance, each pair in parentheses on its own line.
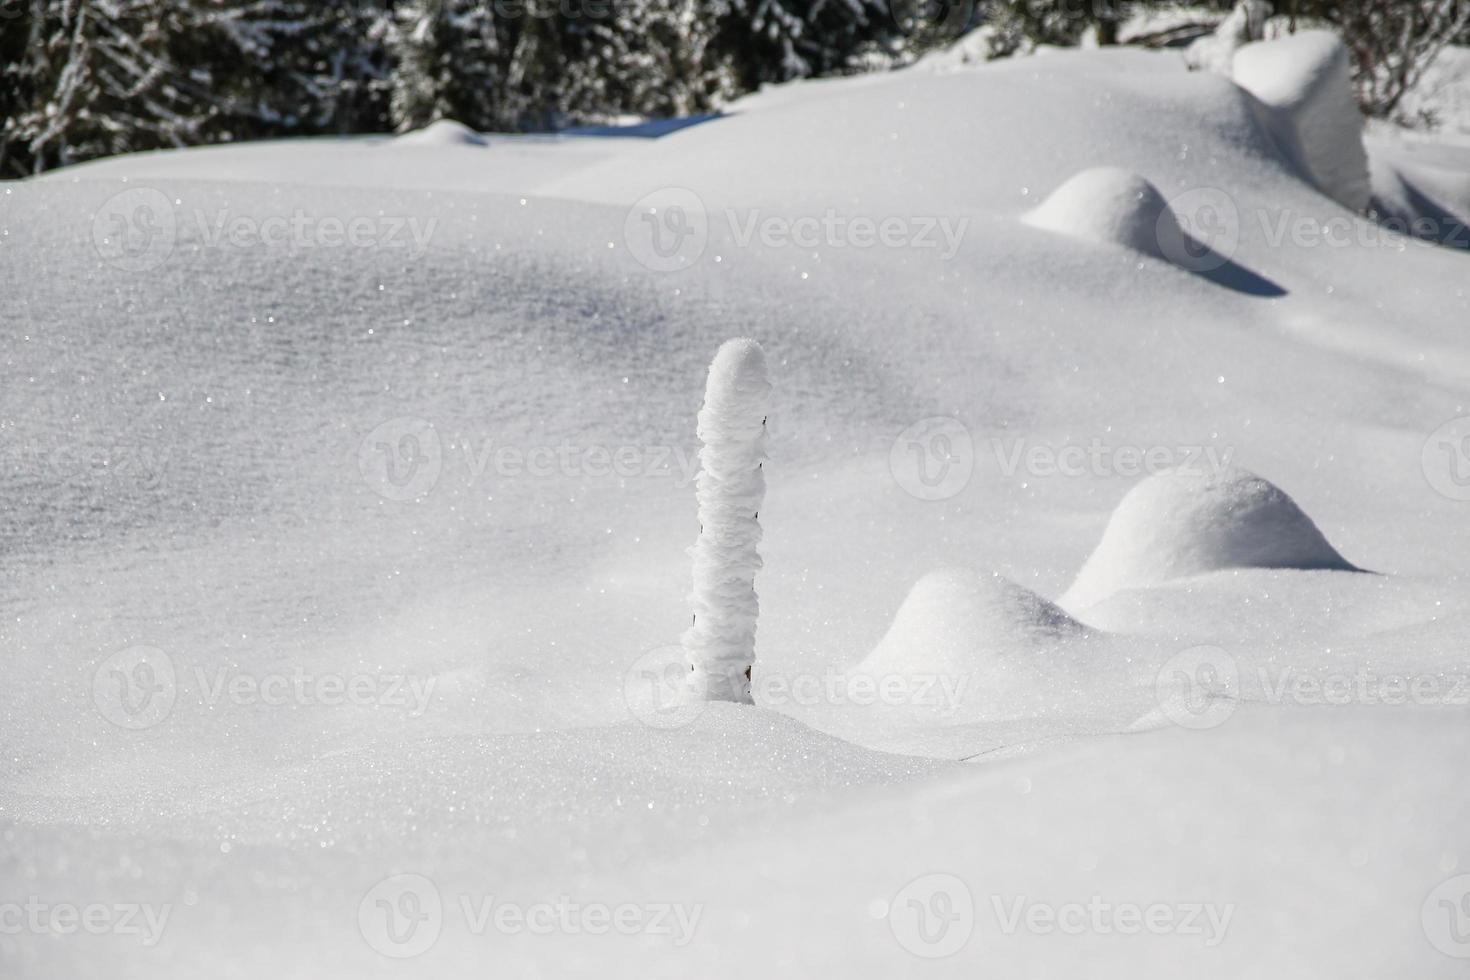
(350,484)
(1306,78)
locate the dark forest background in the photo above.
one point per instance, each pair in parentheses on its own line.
(90,78)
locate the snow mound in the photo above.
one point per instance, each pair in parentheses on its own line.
(1306,79)
(1110,204)
(1177,523)
(442,132)
(955,619)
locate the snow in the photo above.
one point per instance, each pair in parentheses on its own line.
(1216,51)
(984,635)
(1307,78)
(280,465)
(1421,175)
(441,132)
(730,487)
(1185,522)
(1109,204)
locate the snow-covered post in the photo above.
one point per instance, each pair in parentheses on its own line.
(720,643)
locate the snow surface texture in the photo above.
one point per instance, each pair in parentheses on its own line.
(256,458)
(1307,79)
(1177,523)
(730,487)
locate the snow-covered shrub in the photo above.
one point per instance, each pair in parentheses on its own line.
(1392,42)
(1216,51)
(720,643)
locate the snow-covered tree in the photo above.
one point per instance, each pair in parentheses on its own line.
(731,484)
(650,58)
(294,67)
(99,79)
(89,78)
(778,40)
(447,63)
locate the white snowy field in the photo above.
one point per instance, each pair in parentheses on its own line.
(347,486)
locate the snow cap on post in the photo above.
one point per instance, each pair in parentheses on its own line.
(730,486)
(736,394)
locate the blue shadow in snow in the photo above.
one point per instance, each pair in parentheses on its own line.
(1221,270)
(648,129)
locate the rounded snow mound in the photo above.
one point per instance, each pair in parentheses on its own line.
(955,619)
(1306,78)
(1109,204)
(442,132)
(1176,524)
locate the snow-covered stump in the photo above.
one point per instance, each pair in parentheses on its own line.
(720,643)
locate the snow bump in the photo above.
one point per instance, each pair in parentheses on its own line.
(442,132)
(1107,204)
(1175,524)
(957,620)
